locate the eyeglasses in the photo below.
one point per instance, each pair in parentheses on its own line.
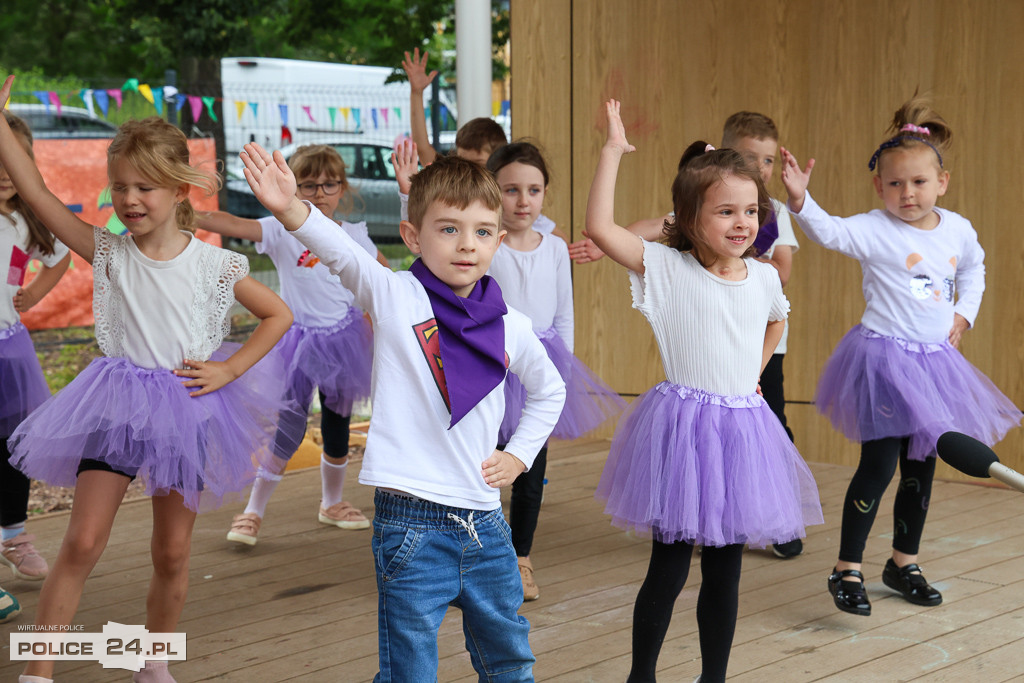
(329,188)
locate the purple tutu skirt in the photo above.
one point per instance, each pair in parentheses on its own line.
(876,387)
(687,465)
(589,402)
(22,384)
(142,422)
(337,359)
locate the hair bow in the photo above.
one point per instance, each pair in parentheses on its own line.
(911,128)
(709,148)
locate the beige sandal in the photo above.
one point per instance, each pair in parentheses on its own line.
(245,528)
(343,515)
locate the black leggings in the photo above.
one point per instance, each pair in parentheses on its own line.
(333,429)
(524,507)
(877,465)
(717,605)
(13,490)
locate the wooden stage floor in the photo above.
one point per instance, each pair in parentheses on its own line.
(301,605)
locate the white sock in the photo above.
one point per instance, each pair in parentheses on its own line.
(332,481)
(262,489)
(25,678)
(9,532)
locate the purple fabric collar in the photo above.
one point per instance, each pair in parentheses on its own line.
(471,332)
(767,235)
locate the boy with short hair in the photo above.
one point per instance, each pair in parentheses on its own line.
(443,339)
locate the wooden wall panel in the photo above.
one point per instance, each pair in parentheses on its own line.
(830,72)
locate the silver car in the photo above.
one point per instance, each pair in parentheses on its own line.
(370,174)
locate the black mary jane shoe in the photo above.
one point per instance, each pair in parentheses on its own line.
(849,596)
(912,586)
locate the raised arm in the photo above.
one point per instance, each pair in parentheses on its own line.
(621,245)
(273,183)
(69,228)
(419,80)
(224,223)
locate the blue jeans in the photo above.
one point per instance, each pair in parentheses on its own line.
(429,556)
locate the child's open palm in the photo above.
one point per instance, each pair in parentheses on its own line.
(616,130)
(268,175)
(5,91)
(406,163)
(416,70)
(795,179)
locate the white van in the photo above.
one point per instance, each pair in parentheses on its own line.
(277,102)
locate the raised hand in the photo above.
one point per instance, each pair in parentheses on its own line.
(406,163)
(5,92)
(416,70)
(795,179)
(616,131)
(584,250)
(268,175)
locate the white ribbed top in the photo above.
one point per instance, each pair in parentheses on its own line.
(710,331)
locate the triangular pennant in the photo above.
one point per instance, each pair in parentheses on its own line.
(345,111)
(131,84)
(384,113)
(444,117)
(158,101)
(357,117)
(283,110)
(43,97)
(254,106)
(208,101)
(102,100)
(398,113)
(179,101)
(55,100)
(86,95)
(116,94)
(240,109)
(332,112)
(373,115)
(506,107)
(196,105)
(146,92)
(286,135)
(495,108)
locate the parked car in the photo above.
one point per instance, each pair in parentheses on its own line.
(370,174)
(72,122)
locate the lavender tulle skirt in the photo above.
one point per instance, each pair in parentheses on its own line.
(143,422)
(687,465)
(337,359)
(589,402)
(22,384)
(876,387)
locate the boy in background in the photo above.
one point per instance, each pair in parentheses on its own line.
(443,341)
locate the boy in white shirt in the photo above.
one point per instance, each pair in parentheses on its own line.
(443,341)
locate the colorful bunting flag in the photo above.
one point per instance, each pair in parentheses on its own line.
(495,108)
(283,110)
(158,101)
(55,100)
(373,115)
(86,95)
(357,117)
(131,84)
(384,113)
(116,94)
(253,106)
(179,101)
(103,100)
(145,91)
(332,111)
(43,97)
(240,109)
(398,113)
(209,101)
(196,105)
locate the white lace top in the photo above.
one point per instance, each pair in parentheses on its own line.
(159,313)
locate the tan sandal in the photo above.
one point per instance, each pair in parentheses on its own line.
(530,589)
(344,516)
(245,528)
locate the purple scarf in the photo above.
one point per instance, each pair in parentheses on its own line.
(767,235)
(471,332)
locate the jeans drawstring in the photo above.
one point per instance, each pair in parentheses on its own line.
(468,525)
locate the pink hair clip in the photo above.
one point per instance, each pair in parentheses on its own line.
(709,148)
(911,128)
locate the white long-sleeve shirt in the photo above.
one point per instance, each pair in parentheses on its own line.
(410,447)
(914,280)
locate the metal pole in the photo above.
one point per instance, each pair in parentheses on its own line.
(473,58)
